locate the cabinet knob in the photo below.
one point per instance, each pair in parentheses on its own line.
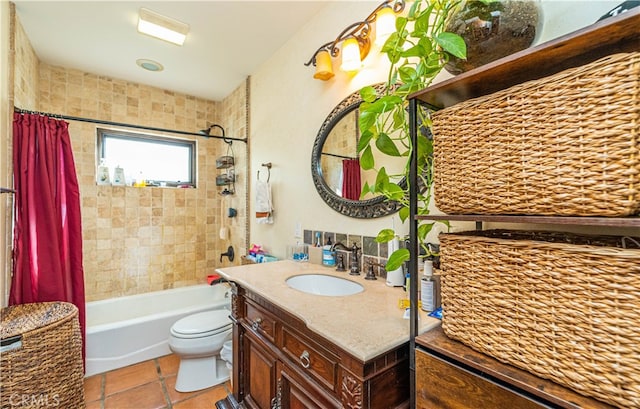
(256,324)
(304,359)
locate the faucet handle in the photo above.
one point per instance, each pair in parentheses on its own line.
(340,262)
(370,274)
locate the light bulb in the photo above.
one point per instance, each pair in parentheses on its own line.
(385,25)
(350,55)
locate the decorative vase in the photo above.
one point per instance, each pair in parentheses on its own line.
(493,29)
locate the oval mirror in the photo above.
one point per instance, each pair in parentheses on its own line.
(335,167)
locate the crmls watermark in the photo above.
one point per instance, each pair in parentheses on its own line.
(41,400)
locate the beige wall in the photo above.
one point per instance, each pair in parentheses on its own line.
(285,137)
(137,240)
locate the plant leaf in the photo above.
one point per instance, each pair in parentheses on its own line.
(381,179)
(404,214)
(366,159)
(367,119)
(407,74)
(415,51)
(423,230)
(365,138)
(368,94)
(421,25)
(385,235)
(397,259)
(453,44)
(393,192)
(386,145)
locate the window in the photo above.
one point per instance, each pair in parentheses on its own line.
(158,160)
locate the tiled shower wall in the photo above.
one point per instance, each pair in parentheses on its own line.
(137,240)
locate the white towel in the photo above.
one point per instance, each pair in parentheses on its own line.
(264,208)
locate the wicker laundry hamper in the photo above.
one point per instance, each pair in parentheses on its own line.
(563,306)
(41,359)
(567,144)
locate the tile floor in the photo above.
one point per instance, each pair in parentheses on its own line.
(147,385)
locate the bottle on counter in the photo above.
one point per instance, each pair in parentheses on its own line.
(103,173)
(428,288)
(328,256)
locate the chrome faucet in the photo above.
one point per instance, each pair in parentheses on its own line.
(354,263)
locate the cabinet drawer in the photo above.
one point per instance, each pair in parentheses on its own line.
(261,321)
(311,357)
(443,385)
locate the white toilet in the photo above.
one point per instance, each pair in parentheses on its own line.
(198,339)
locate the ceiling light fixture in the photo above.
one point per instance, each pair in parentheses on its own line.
(149,65)
(162,27)
(356,41)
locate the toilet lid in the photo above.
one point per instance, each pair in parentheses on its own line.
(202,324)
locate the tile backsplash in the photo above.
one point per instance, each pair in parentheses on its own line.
(372,251)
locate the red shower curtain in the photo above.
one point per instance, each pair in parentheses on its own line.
(351,184)
(47,232)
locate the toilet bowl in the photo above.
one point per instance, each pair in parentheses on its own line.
(198,339)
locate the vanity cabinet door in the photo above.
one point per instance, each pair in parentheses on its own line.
(259,373)
(299,392)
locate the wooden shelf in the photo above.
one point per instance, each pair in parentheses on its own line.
(609,36)
(435,341)
(565,220)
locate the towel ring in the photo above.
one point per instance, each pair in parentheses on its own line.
(268,166)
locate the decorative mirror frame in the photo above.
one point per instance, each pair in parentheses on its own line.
(362,209)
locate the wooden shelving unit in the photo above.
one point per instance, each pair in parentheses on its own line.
(609,36)
(582,221)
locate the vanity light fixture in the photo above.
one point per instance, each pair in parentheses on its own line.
(162,27)
(355,41)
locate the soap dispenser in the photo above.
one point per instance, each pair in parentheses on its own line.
(328,255)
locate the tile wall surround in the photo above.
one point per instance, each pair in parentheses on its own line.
(137,240)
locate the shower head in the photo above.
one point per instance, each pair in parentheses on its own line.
(207,132)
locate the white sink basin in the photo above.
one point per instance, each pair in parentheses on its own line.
(321,284)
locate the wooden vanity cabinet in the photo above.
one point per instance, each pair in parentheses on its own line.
(280,363)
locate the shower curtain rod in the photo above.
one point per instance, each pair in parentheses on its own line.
(337,156)
(99,121)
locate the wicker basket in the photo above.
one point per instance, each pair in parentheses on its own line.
(567,144)
(564,307)
(42,363)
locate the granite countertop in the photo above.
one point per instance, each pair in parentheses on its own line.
(366,324)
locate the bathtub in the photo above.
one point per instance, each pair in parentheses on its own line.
(126,330)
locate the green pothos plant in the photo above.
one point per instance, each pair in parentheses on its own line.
(418,51)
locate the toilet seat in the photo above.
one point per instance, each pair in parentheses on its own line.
(203,324)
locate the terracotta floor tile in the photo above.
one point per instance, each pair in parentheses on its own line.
(93,388)
(169,364)
(205,400)
(128,377)
(148,396)
(96,404)
(174,395)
